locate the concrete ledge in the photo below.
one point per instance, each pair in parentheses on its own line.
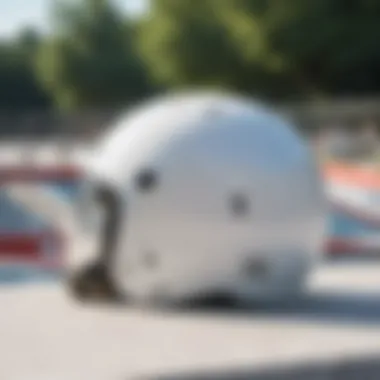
(356,369)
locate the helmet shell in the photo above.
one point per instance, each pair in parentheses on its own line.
(217,194)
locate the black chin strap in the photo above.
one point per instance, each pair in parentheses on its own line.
(111,208)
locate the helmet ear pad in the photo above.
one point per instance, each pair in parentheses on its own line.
(94,280)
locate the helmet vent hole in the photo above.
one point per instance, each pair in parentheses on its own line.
(150,260)
(239,205)
(146,180)
(255,268)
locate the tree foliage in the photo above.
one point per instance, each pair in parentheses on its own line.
(206,42)
(19,87)
(92,61)
(329,46)
(282,47)
(279,49)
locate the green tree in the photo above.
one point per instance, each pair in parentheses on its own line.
(282,48)
(185,43)
(91,60)
(210,42)
(328,46)
(19,88)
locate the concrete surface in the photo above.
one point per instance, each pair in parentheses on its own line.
(46,336)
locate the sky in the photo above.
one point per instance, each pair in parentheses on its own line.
(17,14)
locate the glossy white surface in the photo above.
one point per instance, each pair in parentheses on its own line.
(205,150)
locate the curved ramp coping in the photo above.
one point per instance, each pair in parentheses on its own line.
(44,203)
(57,211)
(354,195)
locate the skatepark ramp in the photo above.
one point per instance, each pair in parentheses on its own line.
(334,334)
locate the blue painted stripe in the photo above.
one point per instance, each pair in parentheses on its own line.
(22,274)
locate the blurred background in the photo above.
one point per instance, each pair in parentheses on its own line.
(68,67)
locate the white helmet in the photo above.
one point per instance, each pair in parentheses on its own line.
(204,194)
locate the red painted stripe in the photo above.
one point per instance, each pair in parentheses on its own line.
(20,245)
(348,246)
(31,173)
(353,175)
(31,248)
